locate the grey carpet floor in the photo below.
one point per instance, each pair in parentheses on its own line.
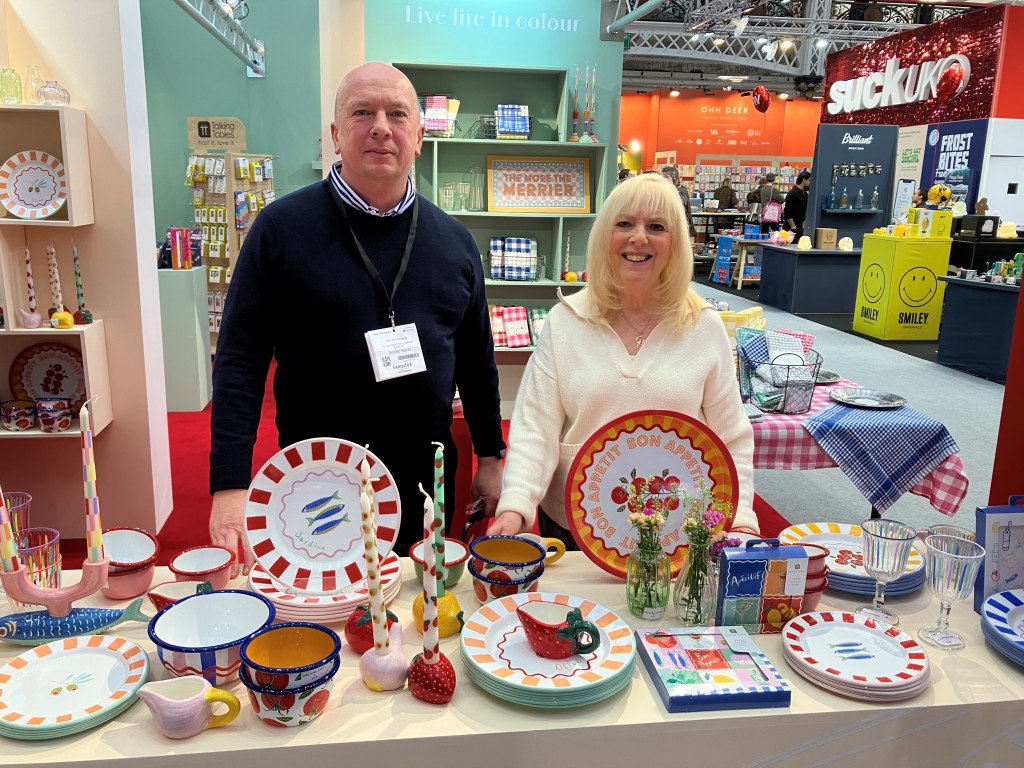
(967,405)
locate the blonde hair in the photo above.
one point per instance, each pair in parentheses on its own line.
(674,299)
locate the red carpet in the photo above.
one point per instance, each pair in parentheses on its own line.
(188,523)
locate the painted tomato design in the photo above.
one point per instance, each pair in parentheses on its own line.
(276,723)
(254,701)
(480,590)
(619,495)
(277,703)
(664,641)
(271,680)
(316,703)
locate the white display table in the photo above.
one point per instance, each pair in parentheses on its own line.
(970,715)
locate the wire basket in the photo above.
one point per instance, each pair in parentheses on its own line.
(489,129)
(517,267)
(441,129)
(785,387)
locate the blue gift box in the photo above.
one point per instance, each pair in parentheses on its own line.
(761,585)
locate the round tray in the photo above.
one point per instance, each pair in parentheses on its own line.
(49,370)
(33,185)
(866,398)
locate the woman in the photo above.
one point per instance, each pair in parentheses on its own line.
(917,199)
(636,337)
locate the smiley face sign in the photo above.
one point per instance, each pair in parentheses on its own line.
(918,286)
(873,283)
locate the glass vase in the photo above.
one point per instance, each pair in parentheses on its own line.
(695,594)
(648,582)
(54,94)
(10,86)
(32,84)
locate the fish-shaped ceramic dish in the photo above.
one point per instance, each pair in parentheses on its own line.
(39,627)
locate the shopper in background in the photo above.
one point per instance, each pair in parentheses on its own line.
(726,195)
(357,252)
(794,212)
(754,195)
(769,192)
(626,173)
(917,200)
(636,337)
(671,173)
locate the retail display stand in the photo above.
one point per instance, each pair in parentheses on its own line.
(184,307)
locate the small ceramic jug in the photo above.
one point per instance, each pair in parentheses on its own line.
(556,634)
(183,706)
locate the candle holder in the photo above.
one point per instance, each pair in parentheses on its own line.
(19,585)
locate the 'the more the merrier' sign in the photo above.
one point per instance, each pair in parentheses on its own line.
(538,184)
(226,134)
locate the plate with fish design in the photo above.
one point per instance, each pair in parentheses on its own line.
(70,685)
(302,514)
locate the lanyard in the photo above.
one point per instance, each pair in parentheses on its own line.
(366,259)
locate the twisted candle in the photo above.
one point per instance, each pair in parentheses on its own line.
(31,282)
(378,614)
(576,94)
(93,526)
(78,277)
(8,548)
(439,516)
(51,263)
(431,643)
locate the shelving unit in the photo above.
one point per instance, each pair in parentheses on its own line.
(742,172)
(851,210)
(61,133)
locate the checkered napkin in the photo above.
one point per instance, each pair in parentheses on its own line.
(497,258)
(786,358)
(520,261)
(885,453)
(517,327)
(743,337)
(537,317)
(806,339)
(497,324)
(435,109)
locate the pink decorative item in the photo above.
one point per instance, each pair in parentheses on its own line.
(30,319)
(125,585)
(130,548)
(556,633)
(182,707)
(389,672)
(167,592)
(206,563)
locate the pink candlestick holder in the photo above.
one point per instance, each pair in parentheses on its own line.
(57,601)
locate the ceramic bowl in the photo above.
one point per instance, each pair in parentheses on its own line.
(124,585)
(167,592)
(289,656)
(207,563)
(54,421)
(814,583)
(290,708)
(455,556)
(18,415)
(486,588)
(512,556)
(52,404)
(816,555)
(203,634)
(811,599)
(129,548)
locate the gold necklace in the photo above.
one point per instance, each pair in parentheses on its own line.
(641,335)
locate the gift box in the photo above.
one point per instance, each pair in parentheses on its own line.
(825,238)
(761,586)
(979,226)
(517,327)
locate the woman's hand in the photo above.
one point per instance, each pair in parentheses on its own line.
(509,523)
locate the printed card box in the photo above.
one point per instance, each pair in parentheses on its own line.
(761,586)
(1000,529)
(825,238)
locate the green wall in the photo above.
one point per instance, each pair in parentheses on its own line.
(504,33)
(188,73)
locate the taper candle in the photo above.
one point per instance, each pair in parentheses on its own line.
(576,92)
(31,282)
(431,648)
(8,548)
(378,614)
(93,525)
(439,516)
(51,263)
(79,291)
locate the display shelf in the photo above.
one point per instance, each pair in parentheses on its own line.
(843,211)
(36,433)
(499,215)
(61,133)
(536,283)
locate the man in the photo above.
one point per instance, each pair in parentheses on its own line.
(726,195)
(358,252)
(917,200)
(671,173)
(794,212)
(769,194)
(626,173)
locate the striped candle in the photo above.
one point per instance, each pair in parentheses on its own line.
(439,516)
(8,548)
(31,282)
(431,642)
(93,526)
(78,277)
(51,263)
(378,614)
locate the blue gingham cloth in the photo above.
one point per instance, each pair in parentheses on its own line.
(885,453)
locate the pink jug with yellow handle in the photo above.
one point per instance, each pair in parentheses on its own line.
(183,706)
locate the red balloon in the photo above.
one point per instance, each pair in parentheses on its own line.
(951,82)
(762,99)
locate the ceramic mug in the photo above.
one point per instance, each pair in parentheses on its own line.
(183,706)
(556,634)
(510,558)
(555,548)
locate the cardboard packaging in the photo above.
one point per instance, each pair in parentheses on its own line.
(932,223)
(761,586)
(979,226)
(825,238)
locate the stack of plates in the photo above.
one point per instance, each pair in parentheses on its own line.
(499,659)
(855,656)
(1002,622)
(846,555)
(292,604)
(69,686)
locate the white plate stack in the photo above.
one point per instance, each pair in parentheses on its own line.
(855,656)
(1002,623)
(291,604)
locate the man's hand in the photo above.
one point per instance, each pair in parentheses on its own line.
(227,526)
(509,523)
(487,483)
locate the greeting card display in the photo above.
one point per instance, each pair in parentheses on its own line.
(1000,530)
(697,668)
(761,586)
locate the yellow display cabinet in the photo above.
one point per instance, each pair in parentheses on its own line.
(899,295)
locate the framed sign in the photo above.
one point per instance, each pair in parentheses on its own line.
(538,184)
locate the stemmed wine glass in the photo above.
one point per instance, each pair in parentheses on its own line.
(951,569)
(886,548)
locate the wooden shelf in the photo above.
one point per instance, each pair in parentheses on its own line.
(511,143)
(535,283)
(842,211)
(488,214)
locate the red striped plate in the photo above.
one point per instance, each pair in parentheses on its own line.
(302,515)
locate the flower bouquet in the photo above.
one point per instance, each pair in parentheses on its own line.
(696,589)
(649,570)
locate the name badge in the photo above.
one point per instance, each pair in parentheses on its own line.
(395,352)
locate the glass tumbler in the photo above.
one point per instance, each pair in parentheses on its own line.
(10,86)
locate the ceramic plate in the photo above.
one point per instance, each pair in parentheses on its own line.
(357,594)
(33,185)
(70,685)
(49,370)
(660,443)
(827,377)
(854,650)
(495,646)
(845,547)
(1004,612)
(866,398)
(302,515)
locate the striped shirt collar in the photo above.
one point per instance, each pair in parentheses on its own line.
(354,199)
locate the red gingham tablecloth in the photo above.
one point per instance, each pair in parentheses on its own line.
(781,442)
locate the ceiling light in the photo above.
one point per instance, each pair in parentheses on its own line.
(740,24)
(783,95)
(719,41)
(673,93)
(822,42)
(761,40)
(785,44)
(634,146)
(771,49)
(694,38)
